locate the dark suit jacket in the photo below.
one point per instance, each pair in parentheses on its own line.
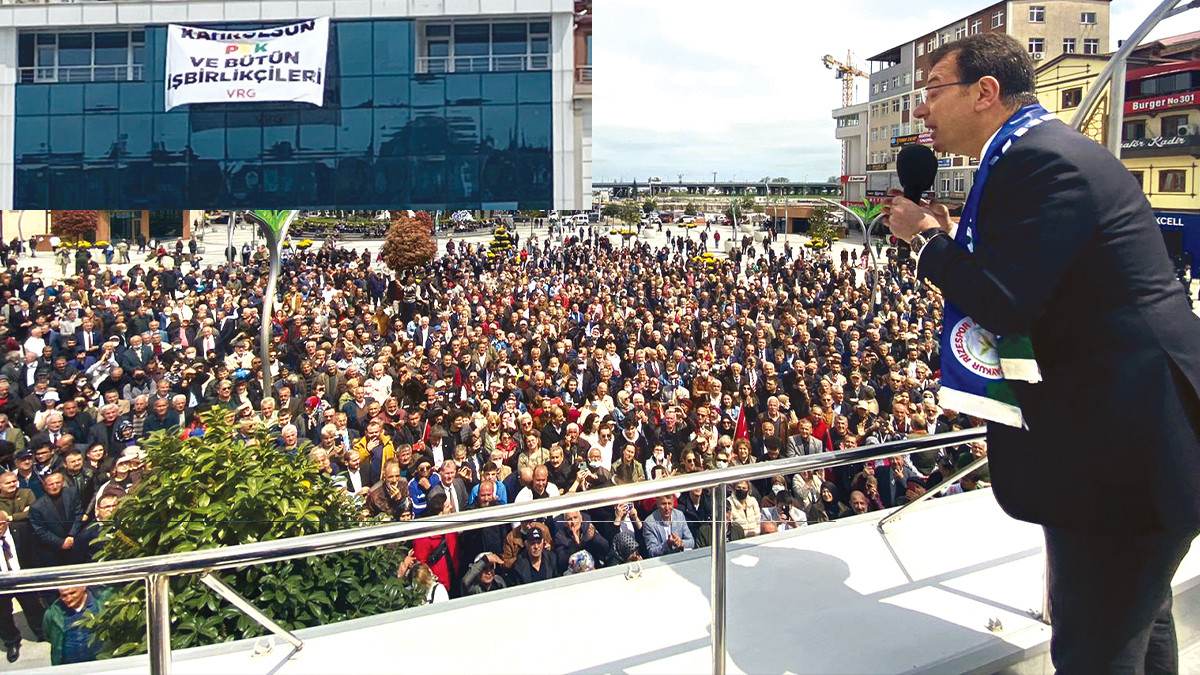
(369,476)
(133,359)
(50,528)
(1068,251)
(462,492)
(97,341)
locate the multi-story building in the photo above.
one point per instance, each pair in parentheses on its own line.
(1160,139)
(429,104)
(582,106)
(852,132)
(1048,28)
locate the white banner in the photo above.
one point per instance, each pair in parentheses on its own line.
(285,63)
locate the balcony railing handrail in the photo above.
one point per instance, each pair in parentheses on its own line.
(494,62)
(276,550)
(126,72)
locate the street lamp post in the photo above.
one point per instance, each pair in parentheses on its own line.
(274,225)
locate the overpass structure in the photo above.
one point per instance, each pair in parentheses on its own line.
(623,189)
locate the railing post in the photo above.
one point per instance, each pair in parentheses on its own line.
(718,578)
(158,623)
(1046,609)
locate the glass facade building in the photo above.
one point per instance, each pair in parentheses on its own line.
(423,114)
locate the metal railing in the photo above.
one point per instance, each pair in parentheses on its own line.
(583,74)
(71,74)
(436,65)
(156,571)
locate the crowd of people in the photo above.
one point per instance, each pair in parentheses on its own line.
(567,365)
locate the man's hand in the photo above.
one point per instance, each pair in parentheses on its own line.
(906,218)
(68,543)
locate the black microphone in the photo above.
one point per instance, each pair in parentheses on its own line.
(916,166)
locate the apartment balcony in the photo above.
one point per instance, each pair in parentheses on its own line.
(583,81)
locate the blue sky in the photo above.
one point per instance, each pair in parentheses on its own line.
(695,86)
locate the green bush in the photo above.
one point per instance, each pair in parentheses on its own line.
(216,491)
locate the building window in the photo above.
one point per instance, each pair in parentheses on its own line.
(907,79)
(1174,180)
(1087,18)
(895,130)
(1068,45)
(1091,46)
(920,49)
(960,32)
(1037,45)
(874,88)
(945,184)
(874,134)
(895,82)
(976,26)
(932,44)
(484,47)
(1037,14)
(883,85)
(960,183)
(944,38)
(1174,125)
(1137,176)
(874,110)
(904,104)
(998,19)
(1072,97)
(1132,131)
(109,56)
(895,105)
(905,129)
(920,75)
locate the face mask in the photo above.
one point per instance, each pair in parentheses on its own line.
(741,494)
(722,464)
(596,465)
(777,489)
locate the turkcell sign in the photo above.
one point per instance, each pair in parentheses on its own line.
(283,63)
(1161,103)
(1177,221)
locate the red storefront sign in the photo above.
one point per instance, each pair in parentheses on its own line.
(1149,105)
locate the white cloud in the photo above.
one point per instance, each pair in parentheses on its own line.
(693,86)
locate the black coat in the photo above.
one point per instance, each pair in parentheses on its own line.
(522,569)
(50,529)
(1068,251)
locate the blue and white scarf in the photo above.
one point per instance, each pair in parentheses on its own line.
(977,365)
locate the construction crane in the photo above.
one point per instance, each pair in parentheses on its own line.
(846,73)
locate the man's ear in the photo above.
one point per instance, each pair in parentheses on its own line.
(989,93)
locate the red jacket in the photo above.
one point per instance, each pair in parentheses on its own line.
(449,566)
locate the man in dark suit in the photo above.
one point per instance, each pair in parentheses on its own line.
(359,477)
(88,338)
(55,519)
(458,494)
(30,604)
(210,343)
(1066,250)
(137,356)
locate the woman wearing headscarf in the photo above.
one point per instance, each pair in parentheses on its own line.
(833,507)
